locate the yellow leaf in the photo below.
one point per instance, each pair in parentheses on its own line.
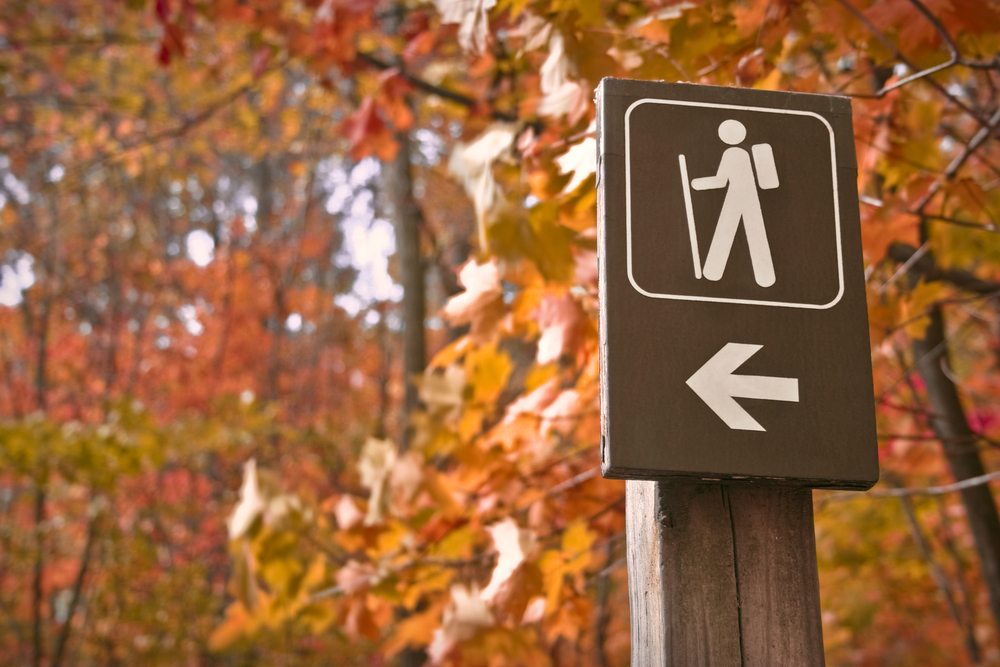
(551,565)
(317,617)
(291,123)
(471,423)
(576,543)
(415,630)
(449,354)
(456,544)
(425,579)
(443,388)
(539,375)
(236,625)
(916,308)
(487,370)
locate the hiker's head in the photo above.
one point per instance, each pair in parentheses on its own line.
(732,131)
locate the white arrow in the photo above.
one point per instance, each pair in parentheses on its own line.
(715,384)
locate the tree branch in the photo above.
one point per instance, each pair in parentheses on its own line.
(923,265)
(934,490)
(939,576)
(949,41)
(919,74)
(977,140)
(78,582)
(433,89)
(937,490)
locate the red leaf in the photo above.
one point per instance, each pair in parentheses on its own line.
(368,134)
(163,55)
(261,59)
(163,10)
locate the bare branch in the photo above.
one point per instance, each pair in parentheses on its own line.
(919,74)
(949,42)
(923,264)
(433,89)
(939,576)
(937,490)
(78,582)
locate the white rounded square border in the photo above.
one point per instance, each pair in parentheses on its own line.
(754,302)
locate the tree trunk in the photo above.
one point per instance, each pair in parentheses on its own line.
(948,420)
(397,186)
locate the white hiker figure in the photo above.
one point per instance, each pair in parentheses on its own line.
(742,203)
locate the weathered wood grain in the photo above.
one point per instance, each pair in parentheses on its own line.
(722,575)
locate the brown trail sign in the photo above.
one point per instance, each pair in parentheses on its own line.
(735,347)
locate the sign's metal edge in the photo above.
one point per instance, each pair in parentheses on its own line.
(625,473)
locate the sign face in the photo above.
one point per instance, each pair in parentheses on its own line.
(734,329)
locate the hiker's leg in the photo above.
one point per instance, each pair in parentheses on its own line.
(760,251)
(722,240)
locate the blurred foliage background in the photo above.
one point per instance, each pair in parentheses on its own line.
(298,325)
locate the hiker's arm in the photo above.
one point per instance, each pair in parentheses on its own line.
(727,168)
(709,182)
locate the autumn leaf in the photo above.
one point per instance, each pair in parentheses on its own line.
(378,457)
(354,576)
(472,164)
(444,387)
(560,95)
(416,630)
(472,17)
(580,160)
(237,623)
(511,544)
(347,513)
(916,307)
(480,304)
(368,134)
(560,319)
(466,613)
(251,504)
(487,370)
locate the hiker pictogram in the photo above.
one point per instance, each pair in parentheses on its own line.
(741,204)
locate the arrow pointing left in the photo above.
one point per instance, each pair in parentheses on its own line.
(716,384)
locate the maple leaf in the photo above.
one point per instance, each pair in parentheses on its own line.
(534,402)
(368,134)
(479,303)
(916,308)
(415,630)
(560,95)
(512,544)
(580,160)
(354,576)
(465,615)
(473,165)
(561,414)
(392,99)
(655,27)
(251,504)
(560,319)
(488,370)
(237,623)
(405,478)
(443,387)
(377,460)
(472,17)
(347,513)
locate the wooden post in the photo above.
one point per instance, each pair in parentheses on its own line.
(722,575)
